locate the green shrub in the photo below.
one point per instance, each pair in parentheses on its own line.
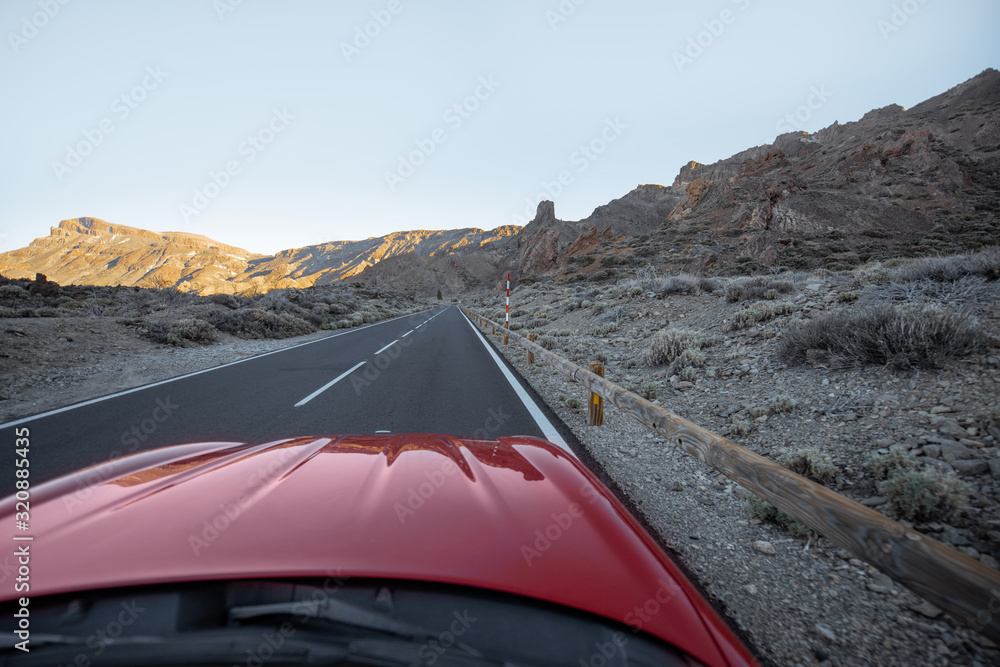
(688,374)
(880,465)
(923,495)
(782,403)
(573,402)
(810,463)
(690,357)
(648,390)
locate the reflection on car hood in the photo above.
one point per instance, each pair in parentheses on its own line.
(516,515)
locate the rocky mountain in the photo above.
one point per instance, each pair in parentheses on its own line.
(94,252)
(896,182)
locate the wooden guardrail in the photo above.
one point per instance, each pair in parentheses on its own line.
(951,580)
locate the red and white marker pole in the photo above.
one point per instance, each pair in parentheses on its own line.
(506,323)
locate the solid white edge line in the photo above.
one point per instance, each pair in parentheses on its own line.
(387,346)
(91,401)
(548,430)
(330,384)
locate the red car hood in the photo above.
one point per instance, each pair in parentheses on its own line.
(516,515)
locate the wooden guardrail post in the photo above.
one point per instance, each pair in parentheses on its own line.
(595,408)
(947,578)
(531,355)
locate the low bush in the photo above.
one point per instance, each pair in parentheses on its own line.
(668,345)
(880,465)
(260,323)
(895,336)
(682,283)
(810,463)
(757,287)
(184,332)
(985,264)
(762,311)
(923,495)
(782,403)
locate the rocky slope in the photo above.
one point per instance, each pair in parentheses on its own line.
(90,251)
(921,181)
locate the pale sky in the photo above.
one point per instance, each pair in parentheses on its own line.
(272,124)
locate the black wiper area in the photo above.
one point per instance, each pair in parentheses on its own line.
(209,648)
(333,610)
(309,621)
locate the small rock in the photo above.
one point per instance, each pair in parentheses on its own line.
(926,609)
(975,467)
(751,589)
(826,633)
(933,451)
(952,452)
(764,547)
(881,583)
(950,427)
(936,463)
(875,501)
(953,537)
(940,409)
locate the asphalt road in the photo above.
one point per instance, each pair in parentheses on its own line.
(430,372)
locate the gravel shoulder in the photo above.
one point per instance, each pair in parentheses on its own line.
(798,600)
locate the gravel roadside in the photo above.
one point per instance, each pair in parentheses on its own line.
(799,601)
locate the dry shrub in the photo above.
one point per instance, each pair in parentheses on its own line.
(682,283)
(757,287)
(260,323)
(985,264)
(810,463)
(762,311)
(924,495)
(893,336)
(668,345)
